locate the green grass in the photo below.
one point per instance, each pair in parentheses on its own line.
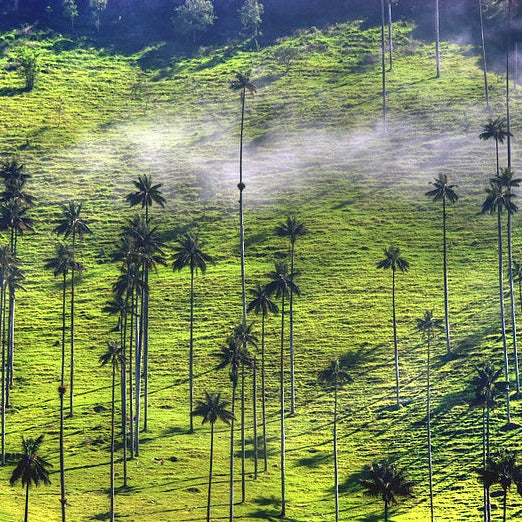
(313,148)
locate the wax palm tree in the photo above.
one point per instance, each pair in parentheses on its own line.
(437,37)
(508,181)
(243,335)
(232,356)
(391,3)
(393,260)
(445,193)
(483,46)
(383,66)
(334,377)
(71,224)
(146,194)
(428,327)
(31,468)
(487,387)
(188,253)
(211,410)
(280,285)
(262,304)
(495,129)
(517,278)
(388,483)
(497,201)
(293,230)
(242,84)
(114,356)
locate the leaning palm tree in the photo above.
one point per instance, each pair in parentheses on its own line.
(334,377)
(393,260)
(508,181)
(497,201)
(388,483)
(31,468)
(146,194)
(262,304)
(188,252)
(211,410)
(445,193)
(293,230)
(242,84)
(281,284)
(428,327)
(495,129)
(71,224)
(114,356)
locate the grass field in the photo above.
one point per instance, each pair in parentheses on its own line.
(315,149)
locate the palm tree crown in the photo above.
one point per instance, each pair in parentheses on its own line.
(146,194)
(261,302)
(442,190)
(392,259)
(31,468)
(213,408)
(189,252)
(495,129)
(242,83)
(113,355)
(334,375)
(292,229)
(427,325)
(63,261)
(498,199)
(70,221)
(387,482)
(487,386)
(281,281)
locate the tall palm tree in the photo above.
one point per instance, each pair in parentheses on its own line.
(31,468)
(334,377)
(428,327)
(393,260)
(188,252)
(437,37)
(390,31)
(483,46)
(495,129)
(262,304)
(211,410)
(517,278)
(498,200)
(146,194)
(71,224)
(383,66)
(280,285)
(487,387)
(293,230)
(242,84)
(233,356)
(114,356)
(445,193)
(385,481)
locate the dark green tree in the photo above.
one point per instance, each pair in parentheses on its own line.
(495,129)
(251,13)
(146,194)
(195,16)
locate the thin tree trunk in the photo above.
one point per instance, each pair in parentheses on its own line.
(385,511)
(4,382)
(282,399)
(139,319)
(484,461)
(390,34)
(428,416)
(263,390)
(291,310)
(437,37)
(145,337)
(124,394)
(61,391)
(71,380)
(512,301)
(508,116)
(484,62)
(487,457)
(504,505)
(241,223)
(10,346)
(336,468)
(502,312)
(520,292)
(26,516)
(254,413)
(131,394)
(395,344)
(231,483)
(383,67)
(191,351)
(112,440)
(243,449)
(445,267)
(210,470)
(497,155)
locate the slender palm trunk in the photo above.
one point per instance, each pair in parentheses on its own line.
(484,62)
(502,311)
(124,394)
(263,390)
(484,462)
(428,416)
(71,380)
(336,468)
(26,516)
(291,310)
(191,350)
(139,336)
(243,448)
(508,116)
(210,470)
(383,67)
(512,301)
(10,346)
(2,328)
(145,336)
(395,344)
(497,156)
(445,267)
(520,292)
(282,400)
(241,187)
(61,391)
(112,440)
(231,482)
(487,457)
(385,511)
(390,34)
(254,413)
(437,37)
(131,393)
(504,506)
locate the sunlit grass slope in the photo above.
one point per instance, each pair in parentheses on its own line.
(315,149)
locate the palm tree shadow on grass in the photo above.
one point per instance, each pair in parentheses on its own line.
(315,460)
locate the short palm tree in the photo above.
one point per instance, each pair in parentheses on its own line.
(114,357)
(188,253)
(497,201)
(262,304)
(146,194)
(293,230)
(72,224)
(334,377)
(243,85)
(495,129)
(393,261)
(428,327)
(388,483)
(445,193)
(211,410)
(281,284)
(30,469)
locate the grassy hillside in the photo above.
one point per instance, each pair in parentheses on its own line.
(314,148)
